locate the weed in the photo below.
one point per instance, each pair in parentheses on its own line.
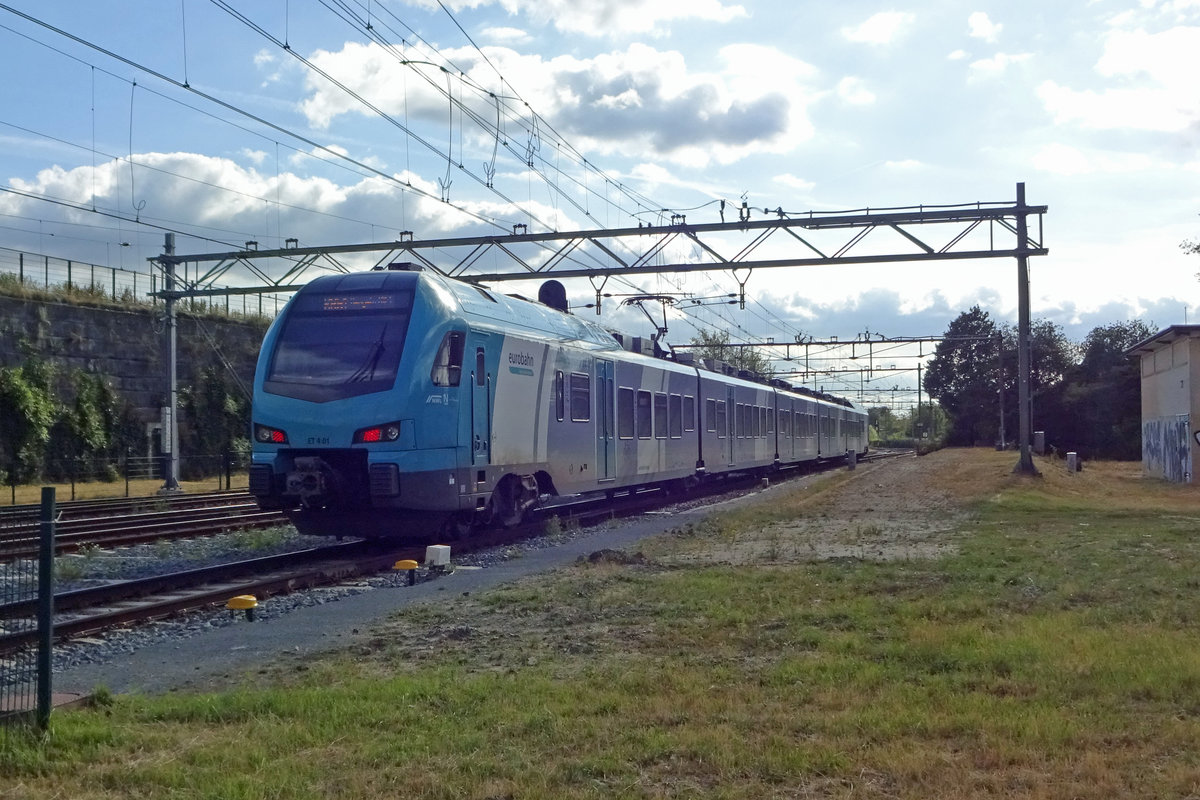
(552,527)
(254,539)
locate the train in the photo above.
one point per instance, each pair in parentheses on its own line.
(399,400)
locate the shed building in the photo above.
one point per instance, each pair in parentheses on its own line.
(1170,369)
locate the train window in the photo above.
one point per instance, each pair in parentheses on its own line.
(756,421)
(644,419)
(560,396)
(722,419)
(480,367)
(604,406)
(660,415)
(689,413)
(447,364)
(785,423)
(739,420)
(710,416)
(770,420)
(581,397)
(675,417)
(334,346)
(625,413)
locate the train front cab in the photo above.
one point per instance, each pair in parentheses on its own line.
(357,403)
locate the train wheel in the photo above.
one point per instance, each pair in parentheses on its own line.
(512,497)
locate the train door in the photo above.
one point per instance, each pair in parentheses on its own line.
(481,406)
(731,418)
(606,445)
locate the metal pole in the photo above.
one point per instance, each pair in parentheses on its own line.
(171,430)
(1000,381)
(917,425)
(1025,463)
(45,694)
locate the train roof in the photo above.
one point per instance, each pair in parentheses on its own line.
(513,312)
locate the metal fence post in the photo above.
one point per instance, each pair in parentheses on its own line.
(45,608)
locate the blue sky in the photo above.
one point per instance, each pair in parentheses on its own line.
(795,105)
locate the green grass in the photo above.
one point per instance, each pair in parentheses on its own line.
(1051,654)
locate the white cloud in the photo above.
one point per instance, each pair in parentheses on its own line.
(1155,85)
(996,65)
(855,92)
(882,28)
(606,17)
(505,36)
(982,27)
(637,100)
(1063,159)
(1136,109)
(905,164)
(791,181)
(957,55)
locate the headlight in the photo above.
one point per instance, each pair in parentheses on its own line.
(388,432)
(269,435)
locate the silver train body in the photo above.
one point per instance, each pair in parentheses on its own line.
(393,402)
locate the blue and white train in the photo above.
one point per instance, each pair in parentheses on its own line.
(399,400)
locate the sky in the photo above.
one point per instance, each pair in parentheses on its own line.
(347,121)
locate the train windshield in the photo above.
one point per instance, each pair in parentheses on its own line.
(342,344)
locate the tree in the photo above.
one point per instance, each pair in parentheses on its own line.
(716,346)
(963,378)
(1052,361)
(26,413)
(87,429)
(882,422)
(217,414)
(1103,401)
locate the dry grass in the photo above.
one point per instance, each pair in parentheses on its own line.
(99,490)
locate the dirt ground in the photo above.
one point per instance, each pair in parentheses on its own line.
(901,508)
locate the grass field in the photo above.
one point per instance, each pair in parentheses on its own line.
(940,628)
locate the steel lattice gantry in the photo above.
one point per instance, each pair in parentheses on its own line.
(861,236)
(968,231)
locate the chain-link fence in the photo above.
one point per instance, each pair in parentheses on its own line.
(25,690)
(119,284)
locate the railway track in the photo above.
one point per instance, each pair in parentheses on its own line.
(68,509)
(122,524)
(85,611)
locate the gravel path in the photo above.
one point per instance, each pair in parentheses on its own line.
(214,647)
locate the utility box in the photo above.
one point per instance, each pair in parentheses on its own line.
(1073,462)
(1039,442)
(437,556)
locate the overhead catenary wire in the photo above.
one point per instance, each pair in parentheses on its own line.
(561,146)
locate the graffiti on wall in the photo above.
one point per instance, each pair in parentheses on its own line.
(1167,448)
